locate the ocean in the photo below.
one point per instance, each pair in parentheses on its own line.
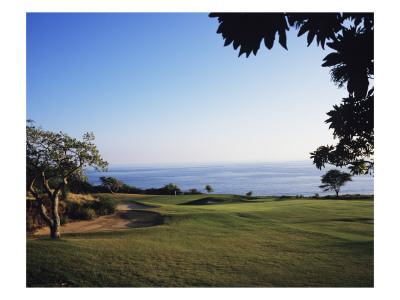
(263,179)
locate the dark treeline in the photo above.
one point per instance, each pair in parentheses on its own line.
(79,186)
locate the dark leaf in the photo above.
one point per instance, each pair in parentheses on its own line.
(303,29)
(282,39)
(310,37)
(228,41)
(241,51)
(269,41)
(332,59)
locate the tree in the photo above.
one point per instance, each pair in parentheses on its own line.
(194,192)
(334,180)
(351,36)
(77,185)
(51,159)
(209,188)
(112,184)
(172,189)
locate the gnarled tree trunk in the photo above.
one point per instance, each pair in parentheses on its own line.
(53,221)
(55,228)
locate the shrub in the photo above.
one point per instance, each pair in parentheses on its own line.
(64,193)
(129,189)
(64,220)
(80,186)
(209,188)
(87,213)
(87,208)
(249,193)
(169,189)
(192,192)
(105,206)
(286,197)
(78,211)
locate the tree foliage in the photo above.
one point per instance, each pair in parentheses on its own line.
(171,189)
(111,183)
(351,37)
(353,124)
(334,180)
(53,158)
(209,188)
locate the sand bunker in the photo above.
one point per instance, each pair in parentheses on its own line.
(127,216)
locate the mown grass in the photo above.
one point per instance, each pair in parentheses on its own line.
(259,242)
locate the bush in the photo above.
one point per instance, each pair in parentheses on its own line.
(88,210)
(64,220)
(286,197)
(80,186)
(87,213)
(129,189)
(105,206)
(249,193)
(64,194)
(78,211)
(192,192)
(169,189)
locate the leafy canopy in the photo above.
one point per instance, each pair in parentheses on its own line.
(351,37)
(171,189)
(51,159)
(111,183)
(334,180)
(209,188)
(56,156)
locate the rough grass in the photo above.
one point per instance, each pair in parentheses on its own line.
(81,199)
(77,198)
(256,243)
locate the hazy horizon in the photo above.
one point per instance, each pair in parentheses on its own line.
(205,163)
(262,178)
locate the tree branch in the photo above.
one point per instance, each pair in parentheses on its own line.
(46,184)
(43,213)
(42,209)
(32,190)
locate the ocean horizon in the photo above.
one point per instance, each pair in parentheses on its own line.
(262,178)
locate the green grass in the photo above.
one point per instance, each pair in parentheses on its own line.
(260,242)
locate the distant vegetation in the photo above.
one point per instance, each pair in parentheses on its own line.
(333,180)
(110,183)
(113,185)
(209,188)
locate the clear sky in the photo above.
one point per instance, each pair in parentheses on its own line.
(161,88)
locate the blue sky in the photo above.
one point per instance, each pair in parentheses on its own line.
(160,88)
